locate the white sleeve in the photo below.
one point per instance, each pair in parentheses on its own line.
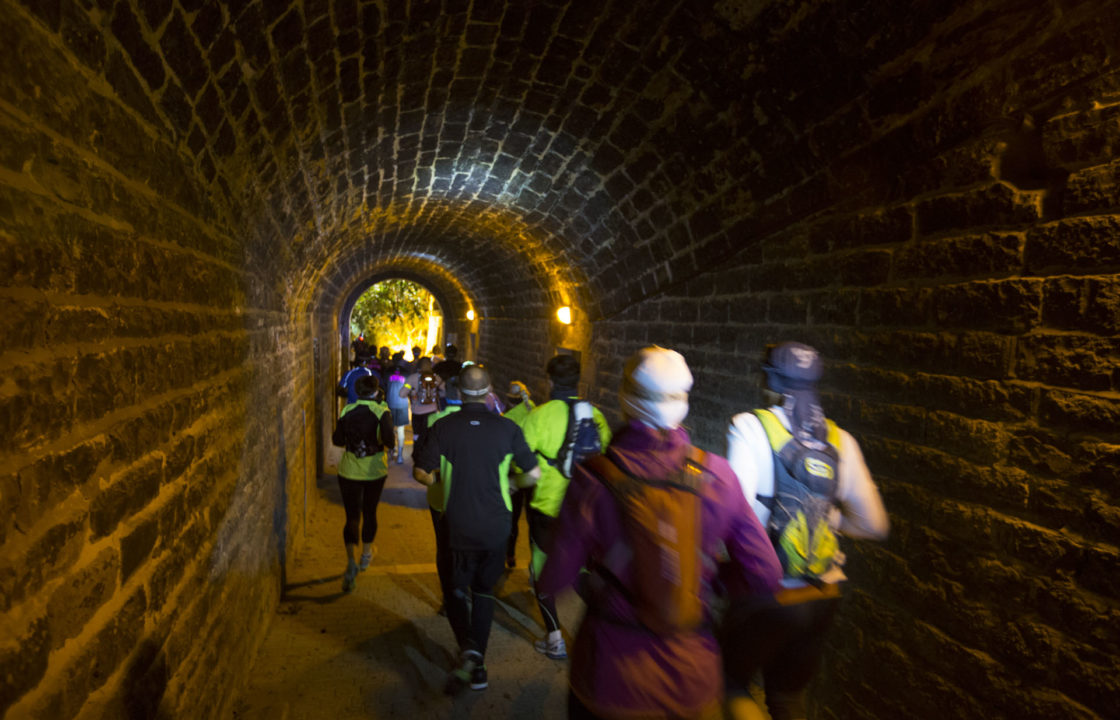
(861,508)
(748,452)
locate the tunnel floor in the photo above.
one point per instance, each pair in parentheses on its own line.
(382,651)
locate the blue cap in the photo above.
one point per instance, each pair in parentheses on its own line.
(793,370)
(793,366)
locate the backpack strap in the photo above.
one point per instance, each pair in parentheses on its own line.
(602,574)
(569,434)
(376,415)
(784,447)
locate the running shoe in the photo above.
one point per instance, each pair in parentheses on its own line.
(478,678)
(556,650)
(461,677)
(351,576)
(364,561)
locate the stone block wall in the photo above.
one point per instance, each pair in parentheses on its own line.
(946,236)
(926,191)
(151,435)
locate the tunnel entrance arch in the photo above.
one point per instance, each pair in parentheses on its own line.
(329,404)
(397,313)
(346,311)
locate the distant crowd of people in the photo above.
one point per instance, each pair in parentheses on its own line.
(701,574)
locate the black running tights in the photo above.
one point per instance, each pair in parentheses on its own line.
(360,498)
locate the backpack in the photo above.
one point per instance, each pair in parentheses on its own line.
(393,392)
(582,439)
(804,494)
(662,524)
(428,390)
(359,432)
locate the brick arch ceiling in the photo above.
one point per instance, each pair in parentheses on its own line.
(537,147)
(337,291)
(483,260)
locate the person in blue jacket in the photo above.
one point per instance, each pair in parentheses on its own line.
(346,384)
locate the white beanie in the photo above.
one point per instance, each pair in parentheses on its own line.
(655,385)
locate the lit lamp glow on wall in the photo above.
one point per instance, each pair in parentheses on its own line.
(470,314)
(564,315)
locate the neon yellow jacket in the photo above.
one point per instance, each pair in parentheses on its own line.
(370,467)
(519,412)
(545,428)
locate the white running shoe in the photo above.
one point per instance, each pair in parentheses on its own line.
(556,650)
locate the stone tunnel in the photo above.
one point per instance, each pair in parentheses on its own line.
(192,194)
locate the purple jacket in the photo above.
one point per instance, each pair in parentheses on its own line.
(620,669)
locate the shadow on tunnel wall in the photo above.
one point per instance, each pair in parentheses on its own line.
(144,684)
(280,508)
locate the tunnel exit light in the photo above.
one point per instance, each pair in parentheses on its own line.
(564,315)
(470,314)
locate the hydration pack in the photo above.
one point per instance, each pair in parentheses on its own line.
(393,392)
(427,391)
(804,496)
(662,526)
(358,431)
(581,441)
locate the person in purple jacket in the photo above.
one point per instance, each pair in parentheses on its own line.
(619,668)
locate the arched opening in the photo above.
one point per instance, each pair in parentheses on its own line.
(398,314)
(449,302)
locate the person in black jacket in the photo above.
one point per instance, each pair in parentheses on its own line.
(473,449)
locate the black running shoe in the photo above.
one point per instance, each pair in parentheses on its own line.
(459,678)
(478,678)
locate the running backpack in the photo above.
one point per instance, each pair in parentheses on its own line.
(581,441)
(804,495)
(393,392)
(358,431)
(428,390)
(662,524)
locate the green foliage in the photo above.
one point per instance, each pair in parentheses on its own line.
(394,313)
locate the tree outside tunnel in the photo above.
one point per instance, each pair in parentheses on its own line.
(397,313)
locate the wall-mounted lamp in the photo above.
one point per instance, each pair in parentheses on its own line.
(564,315)
(470,314)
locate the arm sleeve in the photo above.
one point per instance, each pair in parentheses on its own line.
(524,458)
(604,427)
(388,432)
(750,457)
(428,458)
(530,427)
(754,567)
(862,512)
(573,535)
(338,437)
